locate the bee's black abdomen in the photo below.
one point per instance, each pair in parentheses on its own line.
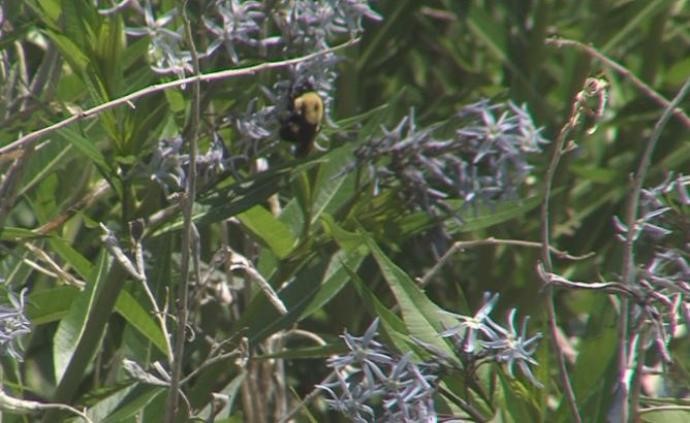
(303,122)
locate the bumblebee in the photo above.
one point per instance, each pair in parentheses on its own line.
(303,121)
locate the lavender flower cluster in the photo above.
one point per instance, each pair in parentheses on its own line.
(13,324)
(373,383)
(484,159)
(303,26)
(169,162)
(662,278)
(247,31)
(480,338)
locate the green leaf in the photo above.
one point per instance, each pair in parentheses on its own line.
(424,319)
(44,162)
(633,23)
(230,390)
(330,188)
(137,316)
(49,305)
(310,290)
(175,101)
(84,327)
(487,216)
(231,200)
(85,146)
(274,233)
(109,401)
(349,241)
(50,10)
(513,401)
(71,52)
(679,415)
(108,49)
(392,325)
(71,256)
(72,328)
(594,372)
(335,278)
(136,402)
(17,234)
(493,36)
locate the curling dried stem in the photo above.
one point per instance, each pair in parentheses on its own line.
(590,89)
(625,73)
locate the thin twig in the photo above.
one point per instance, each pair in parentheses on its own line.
(465,405)
(99,191)
(275,344)
(608,287)
(59,272)
(628,272)
(636,358)
(239,262)
(187,232)
(626,73)
(307,399)
(161,314)
(463,245)
(137,270)
(208,362)
(304,334)
(112,244)
(685,408)
(22,406)
(128,100)
(638,181)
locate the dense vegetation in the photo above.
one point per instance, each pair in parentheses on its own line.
(493,222)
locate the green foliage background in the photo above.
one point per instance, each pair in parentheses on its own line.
(434,56)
